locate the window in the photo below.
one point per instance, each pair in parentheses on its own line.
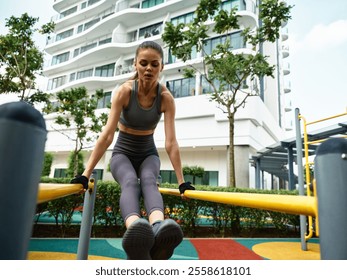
(91,2)
(80,28)
(206,87)
(105,70)
(99,174)
(91,23)
(228,5)
(56,82)
(64,35)
(60,58)
(105,41)
(126,67)
(182,87)
(76,52)
(88,47)
(151,30)
(235,39)
(173,59)
(72,77)
(60,173)
(87,25)
(105,101)
(68,12)
(151,3)
(210,178)
(84,74)
(187,18)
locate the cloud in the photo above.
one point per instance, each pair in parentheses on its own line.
(322,37)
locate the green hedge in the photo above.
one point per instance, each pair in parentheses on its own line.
(223,219)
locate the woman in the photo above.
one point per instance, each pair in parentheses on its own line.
(136,109)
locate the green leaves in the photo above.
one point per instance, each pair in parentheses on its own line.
(76,111)
(19,57)
(226,22)
(273,14)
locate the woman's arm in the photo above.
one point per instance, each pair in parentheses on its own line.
(171,144)
(119,100)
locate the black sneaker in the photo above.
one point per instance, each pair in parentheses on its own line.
(168,235)
(138,240)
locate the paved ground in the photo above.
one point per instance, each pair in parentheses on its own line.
(189,249)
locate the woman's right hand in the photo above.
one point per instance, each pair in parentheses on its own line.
(80,179)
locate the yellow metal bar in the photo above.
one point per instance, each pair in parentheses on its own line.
(48,192)
(329,118)
(307,165)
(323,140)
(308,177)
(291,204)
(315,195)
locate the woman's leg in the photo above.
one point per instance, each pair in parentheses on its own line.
(167,234)
(148,174)
(124,173)
(138,238)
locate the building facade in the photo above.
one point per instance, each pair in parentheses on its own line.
(94,46)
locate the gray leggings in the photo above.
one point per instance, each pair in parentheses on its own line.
(137,180)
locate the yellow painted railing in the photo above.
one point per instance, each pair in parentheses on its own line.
(48,192)
(308,164)
(291,204)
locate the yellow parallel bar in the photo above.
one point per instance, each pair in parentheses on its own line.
(291,204)
(49,192)
(328,118)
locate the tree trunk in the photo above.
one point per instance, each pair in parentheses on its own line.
(232,179)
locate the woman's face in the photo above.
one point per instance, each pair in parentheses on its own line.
(148,64)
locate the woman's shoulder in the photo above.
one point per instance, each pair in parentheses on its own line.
(123,92)
(168,101)
(125,88)
(127,85)
(165,92)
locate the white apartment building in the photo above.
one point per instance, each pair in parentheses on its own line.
(94,46)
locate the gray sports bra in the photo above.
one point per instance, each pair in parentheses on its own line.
(136,117)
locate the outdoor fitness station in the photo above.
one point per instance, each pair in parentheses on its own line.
(22,144)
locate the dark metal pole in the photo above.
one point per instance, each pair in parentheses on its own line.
(303,219)
(22,144)
(291,180)
(331,181)
(257,173)
(87,221)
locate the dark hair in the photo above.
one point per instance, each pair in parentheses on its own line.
(148,45)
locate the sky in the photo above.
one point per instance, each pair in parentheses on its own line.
(317,45)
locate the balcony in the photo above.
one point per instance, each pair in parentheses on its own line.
(288,106)
(60,5)
(285,51)
(284,34)
(286,68)
(287,87)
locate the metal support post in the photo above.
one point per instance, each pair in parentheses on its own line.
(87,221)
(291,180)
(22,147)
(303,219)
(331,182)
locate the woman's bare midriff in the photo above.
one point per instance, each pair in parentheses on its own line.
(129,130)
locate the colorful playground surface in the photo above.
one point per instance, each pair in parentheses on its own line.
(189,249)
